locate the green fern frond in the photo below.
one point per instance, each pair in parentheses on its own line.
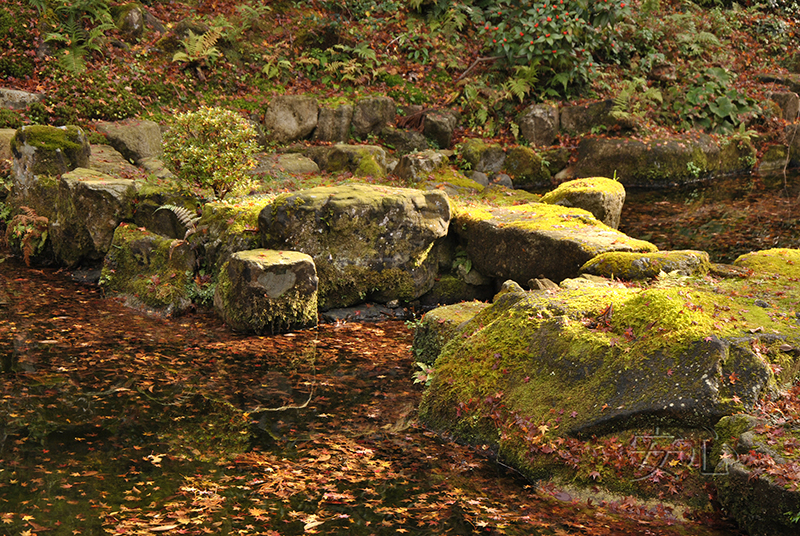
(518,87)
(185,217)
(200,47)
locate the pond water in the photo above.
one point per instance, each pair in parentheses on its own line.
(112,422)
(726,217)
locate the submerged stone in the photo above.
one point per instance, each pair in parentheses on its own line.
(267,291)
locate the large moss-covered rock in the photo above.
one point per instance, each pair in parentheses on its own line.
(267,291)
(632,266)
(610,358)
(46,151)
(658,162)
(777,260)
(368,242)
(149,269)
(601,196)
(537,240)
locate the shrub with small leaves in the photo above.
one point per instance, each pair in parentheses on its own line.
(558,36)
(211,148)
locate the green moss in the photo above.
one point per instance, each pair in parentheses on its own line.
(457,184)
(368,166)
(149,267)
(584,186)
(472,150)
(779,260)
(525,166)
(50,138)
(630,265)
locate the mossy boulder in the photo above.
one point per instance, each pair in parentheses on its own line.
(481,156)
(439,326)
(526,167)
(360,160)
(150,270)
(610,358)
(536,240)
(226,228)
(631,266)
(778,261)
(452,288)
(762,502)
(653,163)
(267,291)
(601,196)
(368,242)
(40,150)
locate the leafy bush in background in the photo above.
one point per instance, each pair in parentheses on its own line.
(558,36)
(211,148)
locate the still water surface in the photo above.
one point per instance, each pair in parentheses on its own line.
(112,422)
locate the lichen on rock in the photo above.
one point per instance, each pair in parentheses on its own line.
(368,242)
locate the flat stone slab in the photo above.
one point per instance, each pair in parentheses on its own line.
(537,240)
(268,291)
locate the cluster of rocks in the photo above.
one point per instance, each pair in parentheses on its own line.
(366,242)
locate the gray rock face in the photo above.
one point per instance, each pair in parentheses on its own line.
(439,126)
(291,118)
(656,163)
(46,151)
(136,139)
(600,196)
(89,208)
(538,240)
(371,115)
(539,124)
(15,99)
(417,166)
(333,124)
(108,160)
(789,103)
(266,291)
(404,141)
(583,118)
(368,242)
